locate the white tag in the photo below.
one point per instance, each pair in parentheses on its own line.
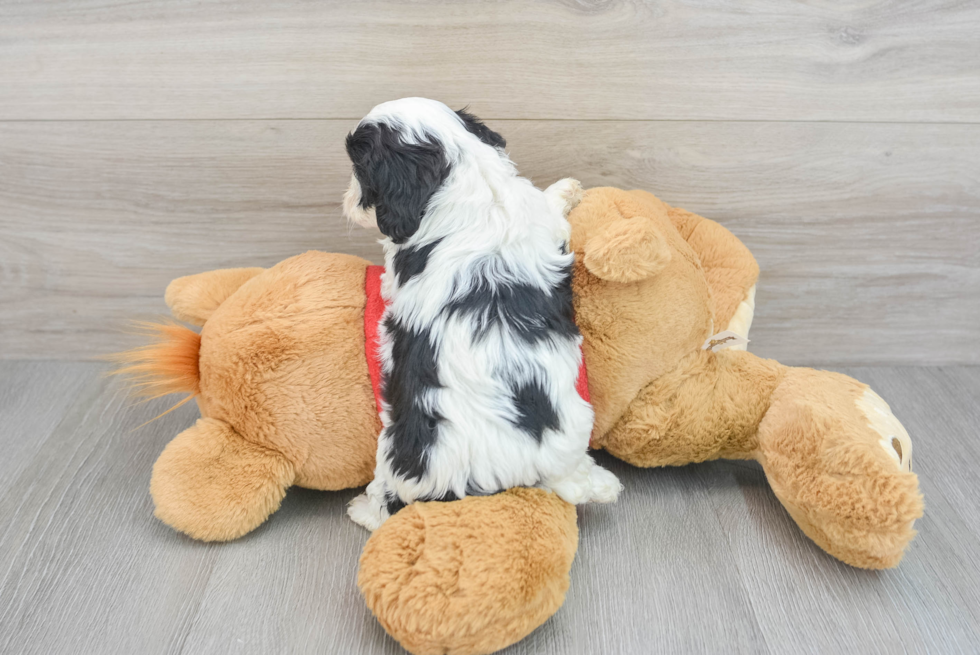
(722,340)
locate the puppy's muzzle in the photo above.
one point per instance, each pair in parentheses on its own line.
(352,206)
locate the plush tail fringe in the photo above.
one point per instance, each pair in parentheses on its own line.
(167,364)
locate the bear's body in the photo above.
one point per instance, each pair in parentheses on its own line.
(286,398)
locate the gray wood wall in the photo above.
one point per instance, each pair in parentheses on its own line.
(840,142)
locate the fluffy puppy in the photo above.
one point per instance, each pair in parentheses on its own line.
(479,350)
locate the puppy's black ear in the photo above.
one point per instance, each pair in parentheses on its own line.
(397,178)
(484,133)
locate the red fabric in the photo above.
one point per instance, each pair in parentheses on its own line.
(582,383)
(373,310)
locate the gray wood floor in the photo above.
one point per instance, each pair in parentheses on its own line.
(696,559)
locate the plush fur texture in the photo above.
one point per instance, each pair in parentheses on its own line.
(472,576)
(478,345)
(634,331)
(294,330)
(729,268)
(838,475)
(855,499)
(198,486)
(275,337)
(194,298)
(284,388)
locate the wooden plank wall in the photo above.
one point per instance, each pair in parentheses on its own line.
(841,142)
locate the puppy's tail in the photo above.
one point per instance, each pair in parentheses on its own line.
(167,364)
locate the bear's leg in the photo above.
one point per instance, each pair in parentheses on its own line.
(193,298)
(834,454)
(213,485)
(473,575)
(708,407)
(839,461)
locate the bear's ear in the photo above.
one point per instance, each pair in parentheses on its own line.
(626,250)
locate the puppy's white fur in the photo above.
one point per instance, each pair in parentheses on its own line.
(494,227)
(366,218)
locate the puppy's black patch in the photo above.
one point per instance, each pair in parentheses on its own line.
(473,490)
(413,373)
(450,496)
(534,410)
(396,178)
(447,497)
(533,314)
(393,503)
(475,126)
(410,262)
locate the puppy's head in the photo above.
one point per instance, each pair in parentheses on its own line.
(403,152)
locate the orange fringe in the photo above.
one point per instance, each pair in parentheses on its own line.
(168,364)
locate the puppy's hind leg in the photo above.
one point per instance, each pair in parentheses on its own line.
(587,483)
(565,195)
(370,509)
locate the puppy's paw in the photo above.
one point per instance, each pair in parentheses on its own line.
(588,483)
(605,485)
(364,511)
(565,194)
(571,491)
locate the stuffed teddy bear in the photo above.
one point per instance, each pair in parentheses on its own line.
(280,372)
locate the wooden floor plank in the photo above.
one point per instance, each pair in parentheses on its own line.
(636,557)
(670,59)
(930,603)
(291,586)
(97,218)
(701,558)
(34,397)
(937,439)
(84,566)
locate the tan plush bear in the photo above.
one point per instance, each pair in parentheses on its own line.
(280,373)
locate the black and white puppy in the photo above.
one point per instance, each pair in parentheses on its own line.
(479,350)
